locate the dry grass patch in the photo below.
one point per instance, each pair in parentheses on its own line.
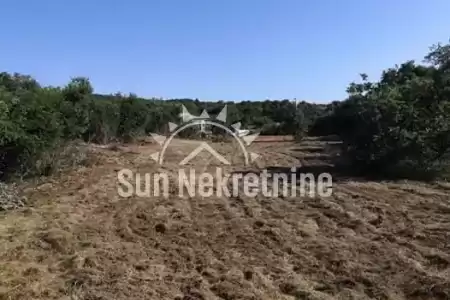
(369,240)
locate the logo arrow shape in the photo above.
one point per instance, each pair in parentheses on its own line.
(204,146)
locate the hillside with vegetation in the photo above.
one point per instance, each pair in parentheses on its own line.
(67,234)
(395,126)
(37,120)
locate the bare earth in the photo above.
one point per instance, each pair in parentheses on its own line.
(80,240)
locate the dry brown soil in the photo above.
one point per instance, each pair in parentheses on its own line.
(80,240)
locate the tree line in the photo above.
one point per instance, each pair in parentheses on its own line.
(35,120)
(398,125)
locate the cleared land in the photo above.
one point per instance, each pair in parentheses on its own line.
(274,138)
(369,240)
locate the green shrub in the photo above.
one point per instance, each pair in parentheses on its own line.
(134,116)
(104,120)
(398,126)
(74,108)
(29,125)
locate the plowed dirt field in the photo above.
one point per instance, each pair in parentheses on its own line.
(80,240)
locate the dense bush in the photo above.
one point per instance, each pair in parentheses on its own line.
(104,119)
(36,121)
(398,126)
(29,124)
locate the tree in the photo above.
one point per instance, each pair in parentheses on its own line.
(399,125)
(75,107)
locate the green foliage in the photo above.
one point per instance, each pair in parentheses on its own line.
(104,119)
(36,121)
(134,116)
(29,124)
(398,126)
(76,97)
